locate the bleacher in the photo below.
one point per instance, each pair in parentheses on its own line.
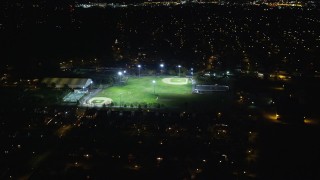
(73,97)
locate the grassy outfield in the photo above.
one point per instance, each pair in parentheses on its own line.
(141,91)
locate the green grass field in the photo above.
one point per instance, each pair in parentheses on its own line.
(143,91)
(178,80)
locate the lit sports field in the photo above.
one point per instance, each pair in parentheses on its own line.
(166,92)
(143,91)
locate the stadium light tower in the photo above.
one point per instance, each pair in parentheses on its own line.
(161,67)
(154,86)
(139,67)
(179,66)
(120,74)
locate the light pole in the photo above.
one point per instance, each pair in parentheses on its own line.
(119,73)
(139,67)
(161,68)
(154,86)
(191,72)
(179,66)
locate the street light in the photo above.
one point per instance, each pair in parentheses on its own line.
(154,86)
(179,66)
(139,67)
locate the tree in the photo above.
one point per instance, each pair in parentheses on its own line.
(53,85)
(66,87)
(43,85)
